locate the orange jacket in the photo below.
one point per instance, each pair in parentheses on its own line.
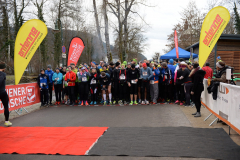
(72,76)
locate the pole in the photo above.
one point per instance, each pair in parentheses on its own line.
(61,40)
(215,58)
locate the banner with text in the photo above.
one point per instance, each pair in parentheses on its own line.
(213,25)
(75,50)
(227,105)
(21,95)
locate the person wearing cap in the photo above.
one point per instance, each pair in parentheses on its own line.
(3,94)
(197,76)
(154,83)
(65,89)
(83,85)
(57,79)
(94,77)
(221,75)
(146,74)
(71,79)
(116,82)
(122,77)
(50,73)
(43,83)
(219,59)
(104,80)
(180,83)
(132,79)
(208,70)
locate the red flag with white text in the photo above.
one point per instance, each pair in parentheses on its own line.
(176,43)
(75,50)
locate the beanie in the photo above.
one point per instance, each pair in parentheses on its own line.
(195,65)
(125,62)
(144,65)
(135,60)
(171,61)
(207,64)
(94,63)
(218,57)
(117,64)
(49,66)
(2,65)
(133,66)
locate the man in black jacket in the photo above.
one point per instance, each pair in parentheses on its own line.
(3,94)
(115,77)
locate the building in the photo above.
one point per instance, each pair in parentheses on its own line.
(228,47)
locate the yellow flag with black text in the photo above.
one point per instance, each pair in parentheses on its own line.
(212,28)
(29,37)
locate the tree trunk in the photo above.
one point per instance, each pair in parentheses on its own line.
(98,27)
(119,31)
(109,53)
(125,31)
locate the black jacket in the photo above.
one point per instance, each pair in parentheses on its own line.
(2,82)
(197,80)
(213,88)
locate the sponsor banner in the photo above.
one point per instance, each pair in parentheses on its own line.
(29,37)
(227,105)
(21,95)
(212,28)
(75,50)
(176,43)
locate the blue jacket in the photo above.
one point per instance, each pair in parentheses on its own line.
(157,73)
(172,68)
(50,74)
(59,76)
(167,76)
(148,75)
(43,81)
(162,71)
(83,75)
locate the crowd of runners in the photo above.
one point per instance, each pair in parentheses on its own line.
(170,81)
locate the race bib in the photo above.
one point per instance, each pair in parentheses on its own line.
(166,77)
(105,80)
(42,84)
(122,77)
(66,83)
(93,81)
(133,81)
(152,82)
(84,79)
(144,73)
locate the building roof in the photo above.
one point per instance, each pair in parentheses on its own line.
(223,36)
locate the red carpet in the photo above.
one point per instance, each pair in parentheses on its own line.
(49,140)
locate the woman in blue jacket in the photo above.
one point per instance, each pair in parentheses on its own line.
(57,80)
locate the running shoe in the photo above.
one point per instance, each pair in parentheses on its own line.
(131,103)
(82,103)
(114,102)
(105,103)
(73,104)
(147,102)
(91,103)
(125,102)
(56,103)
(76,101)
(110,103)
(181,104)
(177,101)
(135,102)
(154,103)
(139,101)
(79,103)
(63,102)
(102,101)
(143,102)
(59,102)
(8,124)
(86,103)
(95,102)
(66,102)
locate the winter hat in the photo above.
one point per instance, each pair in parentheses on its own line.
(207,64)
(133,66)
(152,62)
(129,63)
(57,69)
(171,61)
(117,64)
(40,69)
(144,65)
(49,66)
(94,63)
(2,65)
(125,62)
(195,65)
(83,68)
(72,64)
(111,64)
(135,60)
(218,57)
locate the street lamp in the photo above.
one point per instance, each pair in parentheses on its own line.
(56,30)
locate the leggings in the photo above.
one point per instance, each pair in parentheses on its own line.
(180,92)
(50,93)
(84,90)
(197,97)
(58,89)
(71,93)
(44,96)
(187,89)
(116,90)
(5,102)
(122,91)
(93,90)
(145,84)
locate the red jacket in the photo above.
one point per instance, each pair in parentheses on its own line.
(72,76)
(209,72)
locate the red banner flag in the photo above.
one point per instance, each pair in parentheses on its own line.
(176,43)
(21,95)
(75,50)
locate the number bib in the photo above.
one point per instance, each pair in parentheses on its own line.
(152,82)
(133,81)
(122,77)
(144,73)
(166,77)
(105,80)
(84,79)
(66,83)
(93,81)
(42,84)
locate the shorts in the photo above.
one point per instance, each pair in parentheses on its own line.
(66,91)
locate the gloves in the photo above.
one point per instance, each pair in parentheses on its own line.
(95,75)
(181,77)
(68,80)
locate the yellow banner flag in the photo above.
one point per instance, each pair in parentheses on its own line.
(29,37)
(212,28)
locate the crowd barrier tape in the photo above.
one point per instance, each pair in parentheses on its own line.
(227,105)
(21,95)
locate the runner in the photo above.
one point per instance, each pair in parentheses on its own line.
(122,85)
(109,88)
(94,86)
(75,70)
(154,83)
(50,73)
(71,78)
(3,94)
(43,83)
(57,79)
(104,82)
(167,81)
(139,83)
(132,77)
(83,78)
(65,88)
(145,74)
(116,82)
